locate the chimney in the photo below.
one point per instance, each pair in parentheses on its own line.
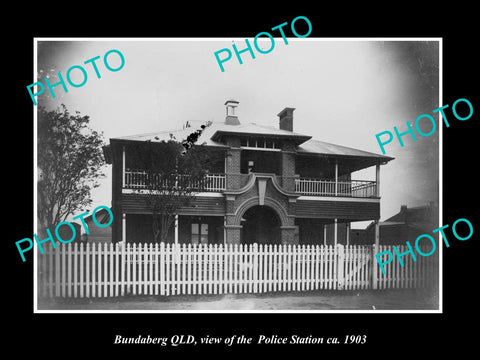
(403,208)
(231,118)
(286,119)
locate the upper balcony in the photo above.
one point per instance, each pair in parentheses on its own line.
(137,180)
(351,188)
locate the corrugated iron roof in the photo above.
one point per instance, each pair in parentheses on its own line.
(179,135)
(253,128)
(307,145)
(324,148)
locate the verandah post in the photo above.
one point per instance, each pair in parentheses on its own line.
(374,251)
(377,180)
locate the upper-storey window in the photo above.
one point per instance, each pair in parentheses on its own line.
(259,142)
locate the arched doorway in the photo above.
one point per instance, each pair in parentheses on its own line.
(260,224)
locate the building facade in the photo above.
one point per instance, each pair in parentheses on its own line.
(265,185)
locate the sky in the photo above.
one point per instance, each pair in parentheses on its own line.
(344,92)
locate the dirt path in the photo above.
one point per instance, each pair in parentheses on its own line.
(319,300)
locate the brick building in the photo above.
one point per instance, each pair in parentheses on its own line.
(268,185)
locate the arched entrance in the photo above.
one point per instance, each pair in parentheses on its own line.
(260,224)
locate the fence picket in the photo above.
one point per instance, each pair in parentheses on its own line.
(134,269)
(240,267)
(48,275)
(104,271)
(354,267)
(204,261)
(195,268)
(117,273)
(285,266)
(75,267)
(177,269)
(63,270)
(368,267)
(215,268)
(99,270)
(162,261)
(187,269)
(363,266)
(87,270)
(274,266)
(143,270)
(327,267)
(289,267)
(81,269)
(69,269)
(107,270)
(111,282)
(307,262)
(315,260)
(222,270)
(363,261)
(293,268)
(151,262)
(231,267)
(154,264)
(128,289)
(357,268)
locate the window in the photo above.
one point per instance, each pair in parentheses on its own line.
(199,233)
(259,142)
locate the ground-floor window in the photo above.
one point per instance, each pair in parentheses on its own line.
(191,229)
(199,233)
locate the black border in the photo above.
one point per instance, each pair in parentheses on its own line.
(90,334)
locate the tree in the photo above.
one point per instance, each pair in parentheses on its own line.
(173,172)
(69,161)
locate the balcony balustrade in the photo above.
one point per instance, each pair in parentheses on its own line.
(138,179)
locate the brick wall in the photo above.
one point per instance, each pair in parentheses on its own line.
(288,165)
(233,234)
(233,162)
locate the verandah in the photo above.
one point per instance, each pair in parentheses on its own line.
(106,270)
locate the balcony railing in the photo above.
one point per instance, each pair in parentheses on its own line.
(139,180)
(352,188)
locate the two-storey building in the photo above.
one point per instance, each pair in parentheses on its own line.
(265,185)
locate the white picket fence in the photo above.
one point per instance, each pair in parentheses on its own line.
(414,274)
(105,270)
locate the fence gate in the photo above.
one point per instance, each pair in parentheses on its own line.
(356,263)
